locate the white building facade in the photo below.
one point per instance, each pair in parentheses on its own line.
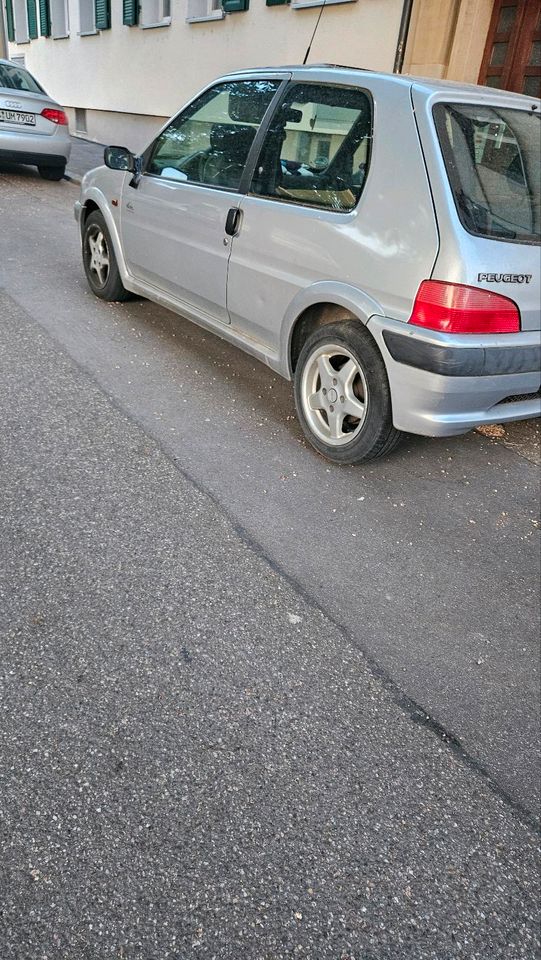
(121,68)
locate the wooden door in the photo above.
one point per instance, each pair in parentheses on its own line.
(512,58)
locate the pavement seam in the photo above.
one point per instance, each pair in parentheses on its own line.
(406,704)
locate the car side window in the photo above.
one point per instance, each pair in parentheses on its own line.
(317,149)
(209,142)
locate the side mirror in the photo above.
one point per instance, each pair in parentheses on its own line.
(119,158)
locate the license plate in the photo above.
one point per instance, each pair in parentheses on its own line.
(15,116)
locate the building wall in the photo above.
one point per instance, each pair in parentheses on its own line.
(469,42)
(129,72)
(447,38)
(134,131)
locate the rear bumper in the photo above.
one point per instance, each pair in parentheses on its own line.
(442,384)
(36,149)
(34,159)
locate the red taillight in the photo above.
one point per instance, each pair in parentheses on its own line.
(56,116)
(456,308)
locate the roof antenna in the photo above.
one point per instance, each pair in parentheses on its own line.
(314,33)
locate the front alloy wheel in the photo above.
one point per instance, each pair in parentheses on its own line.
(99,260)
(99,263)
(342,394)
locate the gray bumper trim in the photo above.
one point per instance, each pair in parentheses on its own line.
(33,159)
(462,361)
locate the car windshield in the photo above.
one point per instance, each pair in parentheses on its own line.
(493,161)
(13,78)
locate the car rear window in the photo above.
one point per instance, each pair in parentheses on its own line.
(13,78)
(493,161)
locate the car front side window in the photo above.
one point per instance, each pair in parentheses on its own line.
(210,141)
(318,147)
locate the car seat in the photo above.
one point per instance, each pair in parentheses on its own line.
(228,151)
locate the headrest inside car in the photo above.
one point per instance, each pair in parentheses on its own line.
(248,108)
(231,137)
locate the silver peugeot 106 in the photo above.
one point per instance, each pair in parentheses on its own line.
(373,237)
(33,128)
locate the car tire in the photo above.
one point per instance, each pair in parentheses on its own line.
(342,394)
(52,173)
(99,260)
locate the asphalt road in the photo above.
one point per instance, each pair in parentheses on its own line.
(253,705)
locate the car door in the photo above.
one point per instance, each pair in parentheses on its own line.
(295,226)
(328,203)
(173,222)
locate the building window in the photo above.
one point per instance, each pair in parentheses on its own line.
(22,21)
(155,13)
(87,17)
(199,10)
(59,19)
(301,4)
(234,6)
(103,14)
(130,12)
(45,18)
(512,58)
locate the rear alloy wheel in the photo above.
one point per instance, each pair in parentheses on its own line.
(100,262)
(52,173)
(342,394)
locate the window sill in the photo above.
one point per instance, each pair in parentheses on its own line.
(166,22)
(215,15)
(62,36)
(304,4)
(88,33)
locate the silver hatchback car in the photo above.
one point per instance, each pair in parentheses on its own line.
(33,128)
(374,237)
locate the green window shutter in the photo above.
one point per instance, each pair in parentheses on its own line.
(103,14)
(231,6)
(10,23)
(44,18)
(32,19)
(275,3)
(130,10)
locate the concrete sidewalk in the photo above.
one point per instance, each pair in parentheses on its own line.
(85,155)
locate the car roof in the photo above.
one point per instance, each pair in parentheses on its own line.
(428,85)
